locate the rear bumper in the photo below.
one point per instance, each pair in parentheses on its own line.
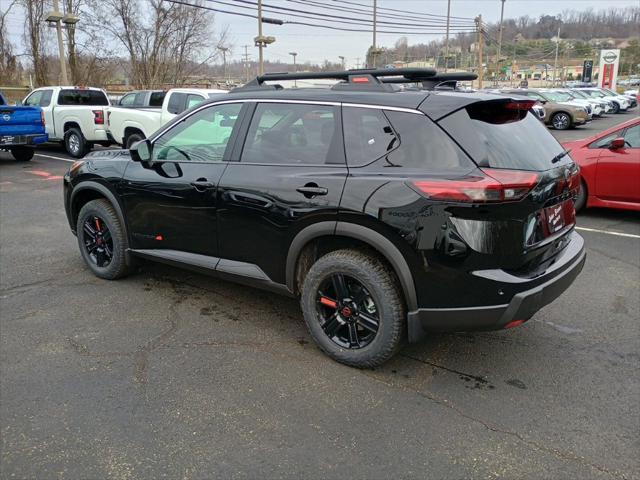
(522,306)
(23,140)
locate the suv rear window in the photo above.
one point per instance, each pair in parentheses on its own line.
(82,97)
(497,137)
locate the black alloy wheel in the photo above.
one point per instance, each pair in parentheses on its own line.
(347,311)
(98,242)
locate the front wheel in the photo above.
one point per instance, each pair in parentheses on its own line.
(353,308)
(22,154)
(561,121)
(616,108)
(102,240)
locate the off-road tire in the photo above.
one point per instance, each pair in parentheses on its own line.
(381,282)
(118,267)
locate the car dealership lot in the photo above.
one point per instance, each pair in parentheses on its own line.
(172,374)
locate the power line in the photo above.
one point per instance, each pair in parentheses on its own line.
(379,14)
(296,13)
(404,11)
(314,25)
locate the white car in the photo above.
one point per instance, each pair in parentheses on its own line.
(127,125)
(606,105)
(620,103)
(73,115)
(597,107)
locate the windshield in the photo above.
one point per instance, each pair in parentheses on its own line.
(559,96)
(497,137)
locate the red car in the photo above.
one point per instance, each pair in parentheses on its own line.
(609,167)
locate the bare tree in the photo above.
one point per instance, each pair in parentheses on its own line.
(9,66)
(34,36)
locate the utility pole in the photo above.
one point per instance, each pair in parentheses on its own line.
(63,64)
(342,60)
(480,41)
(246,62)
(555,63)
(224,51)
(446,48)
(500,39)
(374,52)
(260,44)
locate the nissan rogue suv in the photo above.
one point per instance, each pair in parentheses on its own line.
(389,214)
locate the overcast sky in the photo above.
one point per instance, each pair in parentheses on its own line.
(315,44)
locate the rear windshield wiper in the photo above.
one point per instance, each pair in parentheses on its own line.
(560,156)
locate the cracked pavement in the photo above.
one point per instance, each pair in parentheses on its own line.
(170,374)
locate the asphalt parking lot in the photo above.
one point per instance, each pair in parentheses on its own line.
(170,374)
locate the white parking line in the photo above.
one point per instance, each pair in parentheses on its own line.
(608,232)
(55,158)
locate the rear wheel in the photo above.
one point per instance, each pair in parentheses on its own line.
(133,138)
(22,154)
(353,308)
(102,240)
(561,121)
(75,143)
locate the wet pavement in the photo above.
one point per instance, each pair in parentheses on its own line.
(170,374)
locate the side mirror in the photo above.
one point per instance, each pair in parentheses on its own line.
(616,143)
(542,101)
(141,151)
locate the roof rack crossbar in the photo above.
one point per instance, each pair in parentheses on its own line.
(347,74)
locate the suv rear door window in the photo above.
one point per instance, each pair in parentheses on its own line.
(367,135)
(291,133)
(82,97)
(498,137)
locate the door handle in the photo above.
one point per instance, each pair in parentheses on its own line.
(311,190)
(202,184)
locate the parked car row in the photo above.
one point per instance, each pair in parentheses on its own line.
(566,108)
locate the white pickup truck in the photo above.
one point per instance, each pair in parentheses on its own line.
(73,115)
(127,126)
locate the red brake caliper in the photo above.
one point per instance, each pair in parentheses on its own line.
(98,223)
(328,302)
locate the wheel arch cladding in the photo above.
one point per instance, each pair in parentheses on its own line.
(72,124)
(367,236)
(88,191)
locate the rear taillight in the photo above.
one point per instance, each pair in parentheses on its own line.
(98,117)
(42,117)
(489,185)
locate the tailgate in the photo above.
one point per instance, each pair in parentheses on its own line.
(20,120)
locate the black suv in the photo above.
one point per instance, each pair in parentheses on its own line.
(388,213)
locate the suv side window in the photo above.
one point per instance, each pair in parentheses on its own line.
(367,135)
(292,133)
(425,146)
(202,137)
(176,104)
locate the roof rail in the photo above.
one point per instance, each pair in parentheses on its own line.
(358,79)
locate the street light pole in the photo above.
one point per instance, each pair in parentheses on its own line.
(63,64)
(555,63)
(224,51)
(446,48)
(375,48)
(295,67)
(500,39)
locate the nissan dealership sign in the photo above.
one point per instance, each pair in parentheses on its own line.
(609,61)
